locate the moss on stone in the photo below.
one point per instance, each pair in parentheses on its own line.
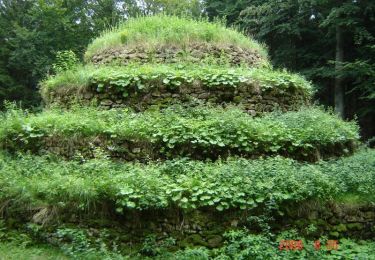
(355,226)
(193,240)
(340,228)
(334,234)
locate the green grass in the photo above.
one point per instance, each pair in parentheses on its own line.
(71,186)
(146,76)
(9,251)
(160,30)
(75,78)
(177,131)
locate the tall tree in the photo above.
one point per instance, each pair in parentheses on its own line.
(173,7)
(328,41)
(32,32)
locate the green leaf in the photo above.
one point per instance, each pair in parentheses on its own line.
(100,87)
(220,208)
(130,204)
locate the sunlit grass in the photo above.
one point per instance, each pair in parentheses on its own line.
(162,30)
(9,251)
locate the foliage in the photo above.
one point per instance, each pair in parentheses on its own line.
(11,251)
(351,173)
(159,30)
(243,245)
(189,8)
(31,34)
(79,78)
(210,76)
(362,73)
(151,247)
(64,243)
(33,182)
(136,77)
(194,253)
(239,244)
(81,243)
(65,60)
(301,37)
(184,131)
(47,188)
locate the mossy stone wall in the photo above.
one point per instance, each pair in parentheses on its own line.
(205,227)
(197,52)
(144,151)
(248,95)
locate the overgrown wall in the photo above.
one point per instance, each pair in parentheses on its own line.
(253,100)
(197,52)
(129,150)
(205,227)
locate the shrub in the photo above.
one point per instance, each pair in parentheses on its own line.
(65,60)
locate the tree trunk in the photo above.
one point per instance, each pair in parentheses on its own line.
(339,88)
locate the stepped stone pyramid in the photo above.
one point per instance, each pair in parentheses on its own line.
(161,103)
(148,65)
(189,73)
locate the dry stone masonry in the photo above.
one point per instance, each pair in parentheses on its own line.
(202,226)
(234,55)
(248,95)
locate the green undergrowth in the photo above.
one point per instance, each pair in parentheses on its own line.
(31,182)
(10,251)
(139,78)
(155,31)
(75,243)
(179,131)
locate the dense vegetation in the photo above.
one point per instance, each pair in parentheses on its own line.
(178,131)
(79,243)
(330,42)
(30,182)
(300,35)
(176,138)
(144,77)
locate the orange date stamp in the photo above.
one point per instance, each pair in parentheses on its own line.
(295,245)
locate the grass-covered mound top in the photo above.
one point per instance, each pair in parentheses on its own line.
(155,32)
(198,133)
(32,182)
